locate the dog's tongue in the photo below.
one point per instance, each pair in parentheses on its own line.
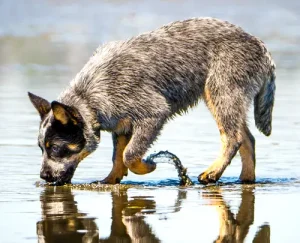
(167,157)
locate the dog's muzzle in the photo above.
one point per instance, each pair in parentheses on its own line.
(60,178)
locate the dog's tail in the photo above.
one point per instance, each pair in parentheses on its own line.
(263,103)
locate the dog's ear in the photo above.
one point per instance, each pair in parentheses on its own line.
(42,105)
(66,114)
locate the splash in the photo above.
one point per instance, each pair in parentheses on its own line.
(168,157)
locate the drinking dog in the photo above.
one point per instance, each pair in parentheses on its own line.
(132,88)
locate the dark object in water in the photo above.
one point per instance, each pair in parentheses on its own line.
(172,159)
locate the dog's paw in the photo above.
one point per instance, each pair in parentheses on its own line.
(150,164)
(110,180)
(208,177)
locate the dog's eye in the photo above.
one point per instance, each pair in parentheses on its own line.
(55,148)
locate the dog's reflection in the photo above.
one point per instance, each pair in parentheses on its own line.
(234,229)
(127,225)
(61,221)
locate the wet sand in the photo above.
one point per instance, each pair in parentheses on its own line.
(44,44)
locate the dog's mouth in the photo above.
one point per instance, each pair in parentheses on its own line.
(65,178)
(59,181)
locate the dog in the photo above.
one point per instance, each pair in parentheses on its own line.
(132,88)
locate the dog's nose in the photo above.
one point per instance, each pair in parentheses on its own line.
(46,175)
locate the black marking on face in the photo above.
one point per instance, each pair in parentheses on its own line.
(59,136)
(41,147)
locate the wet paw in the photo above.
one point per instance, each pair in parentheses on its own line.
(150,164)
(247,181)
(141,167)
(248,178)
(207,177)
(115,176)
(110,180)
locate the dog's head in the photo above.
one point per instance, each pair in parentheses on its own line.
(61,139)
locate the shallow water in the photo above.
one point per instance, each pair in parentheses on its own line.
(42,46)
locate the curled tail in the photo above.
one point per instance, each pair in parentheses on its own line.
(263,104)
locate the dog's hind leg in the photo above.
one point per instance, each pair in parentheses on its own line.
(230,146)
(247,152)
(143,135)
(229,110)
(119,169)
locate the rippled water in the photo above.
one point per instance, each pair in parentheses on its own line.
(42,46)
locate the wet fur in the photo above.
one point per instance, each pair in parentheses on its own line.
(132,88)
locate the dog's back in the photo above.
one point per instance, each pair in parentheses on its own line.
(166,70)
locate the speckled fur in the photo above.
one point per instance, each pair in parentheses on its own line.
(150,78)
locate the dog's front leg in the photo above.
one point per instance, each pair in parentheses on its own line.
(119,169)
(143,135)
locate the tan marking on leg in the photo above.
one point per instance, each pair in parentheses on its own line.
(144,134)
(209,103)
(218,163)
(216,169)
(140,167)
(123,126)
(119,169)
(229,148)
(247,152)
(230,141)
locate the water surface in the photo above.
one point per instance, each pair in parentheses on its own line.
(43,44)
